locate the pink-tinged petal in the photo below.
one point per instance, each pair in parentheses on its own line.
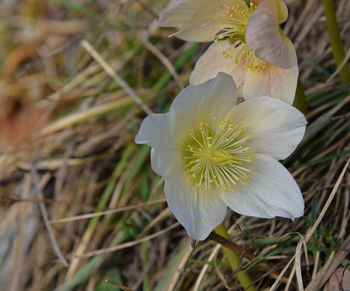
(272,81)
(196,20)
(255,2)
(270,191)
(275,127)
(276,9)
(220,57)
(197,210)
(264,35)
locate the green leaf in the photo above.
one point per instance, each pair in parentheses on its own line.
(112,275)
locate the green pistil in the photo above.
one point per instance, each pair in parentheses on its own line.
(217,156)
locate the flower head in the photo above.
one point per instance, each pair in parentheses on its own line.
(247,41)
(213,154)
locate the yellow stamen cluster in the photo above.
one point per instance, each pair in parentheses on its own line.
(217,155)
(246,57)
(234,30)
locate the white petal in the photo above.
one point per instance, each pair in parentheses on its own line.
(156,130)
(163,159)
(275,127)
(220,57)
(264,36)
(272,81)
(197,20)
(270,191)
(199,212)
(201,103)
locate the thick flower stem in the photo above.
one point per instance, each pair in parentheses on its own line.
(335,39)
(235,262)
(300,98)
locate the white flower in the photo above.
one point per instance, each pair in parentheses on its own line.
(213,154)
(247,41)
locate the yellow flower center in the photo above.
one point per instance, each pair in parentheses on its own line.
(234,30)
(218,155)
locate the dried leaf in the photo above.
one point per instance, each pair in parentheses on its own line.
(18,120)
(339,281)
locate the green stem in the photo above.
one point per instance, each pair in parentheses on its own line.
(335,39)
(235,261)
(300,98)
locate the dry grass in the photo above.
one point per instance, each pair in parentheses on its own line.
(67,125)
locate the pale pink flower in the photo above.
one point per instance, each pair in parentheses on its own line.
(248,43)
